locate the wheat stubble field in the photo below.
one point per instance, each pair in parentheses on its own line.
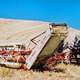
(67,72)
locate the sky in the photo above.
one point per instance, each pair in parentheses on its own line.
(59,11)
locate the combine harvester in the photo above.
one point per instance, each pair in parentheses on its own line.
(17,55)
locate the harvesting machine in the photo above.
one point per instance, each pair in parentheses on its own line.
(16,55)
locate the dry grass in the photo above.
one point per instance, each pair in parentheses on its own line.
(70,72)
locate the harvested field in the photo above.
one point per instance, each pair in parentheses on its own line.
(20,31)
(64,72)
(13,31)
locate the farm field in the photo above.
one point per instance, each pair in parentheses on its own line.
(65,72)
(14,31)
